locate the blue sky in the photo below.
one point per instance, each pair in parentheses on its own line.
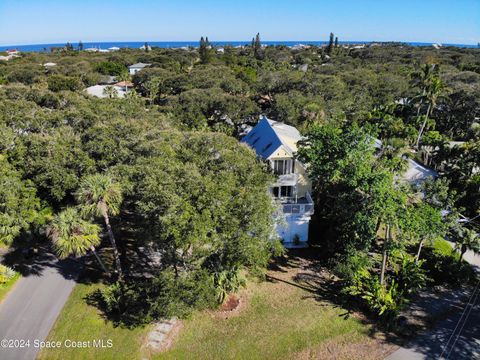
(58,21)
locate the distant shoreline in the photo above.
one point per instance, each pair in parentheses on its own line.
(182,44)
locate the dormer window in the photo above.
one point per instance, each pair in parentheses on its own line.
(283,167)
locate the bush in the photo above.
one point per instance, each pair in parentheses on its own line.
(110,68)
(383,300)
(442,266)
(25,76)
(136,302)
(347,266)
(227,282)
(59,82)
(6,274)
(410,276)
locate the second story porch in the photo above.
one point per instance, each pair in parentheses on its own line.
(295,204)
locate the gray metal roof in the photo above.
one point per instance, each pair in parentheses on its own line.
(138,66)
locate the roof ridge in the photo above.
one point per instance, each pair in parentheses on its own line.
(287,147)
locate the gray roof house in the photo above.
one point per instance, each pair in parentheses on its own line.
(276,143)
(133,69)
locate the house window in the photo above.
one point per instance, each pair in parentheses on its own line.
(275,191)
(283,167)
(282,191)
(286,191)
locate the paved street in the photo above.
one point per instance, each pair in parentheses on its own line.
(447,340)
(32,306)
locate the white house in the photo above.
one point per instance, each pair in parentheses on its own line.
(416,173)
(276,143)
(13,52)
(102,91)
(133,69)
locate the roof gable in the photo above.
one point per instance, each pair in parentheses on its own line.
(268,135)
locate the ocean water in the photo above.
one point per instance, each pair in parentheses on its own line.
(179,44)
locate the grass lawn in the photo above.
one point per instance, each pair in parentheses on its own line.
(81,322)
(278,320)
(442,247)
(5,288)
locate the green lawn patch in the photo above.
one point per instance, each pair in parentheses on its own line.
(5,288)
(81,322)
(443,248)
(280,321)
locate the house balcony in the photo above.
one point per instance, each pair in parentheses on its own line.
(297,205)
(286,180)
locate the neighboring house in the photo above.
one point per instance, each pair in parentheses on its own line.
(49,64)
(416,173)
(102,91)
(276,143)
(133,69)
(10,55)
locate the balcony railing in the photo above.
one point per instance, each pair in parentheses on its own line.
(286,180)
(303,205)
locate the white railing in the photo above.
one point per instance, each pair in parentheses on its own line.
(302,206)
(286,180)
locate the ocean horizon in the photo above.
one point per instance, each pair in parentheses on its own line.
(180,44)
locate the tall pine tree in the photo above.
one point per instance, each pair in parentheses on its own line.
(330,44)
(204,50)
(257,46)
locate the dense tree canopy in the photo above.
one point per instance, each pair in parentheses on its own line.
(199,199)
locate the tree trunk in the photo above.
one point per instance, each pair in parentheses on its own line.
(417,258)
(118,265)
(99,260)
(417,144)
(384,254)
(463,250)
(379,222)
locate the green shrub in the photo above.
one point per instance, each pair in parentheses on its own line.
(227,282)
(442,266)
(410,276)
(110,68)
(383,300)
(6,274)
(346,267)
(59,82)
(136,302)
(27,76)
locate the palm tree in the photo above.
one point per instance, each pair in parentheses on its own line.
(100,196)
(110,92)
(432,92)
(71,235)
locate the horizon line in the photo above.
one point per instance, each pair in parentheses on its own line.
(226,41)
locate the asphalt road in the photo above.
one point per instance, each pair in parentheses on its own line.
(455,338)
(32,306)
